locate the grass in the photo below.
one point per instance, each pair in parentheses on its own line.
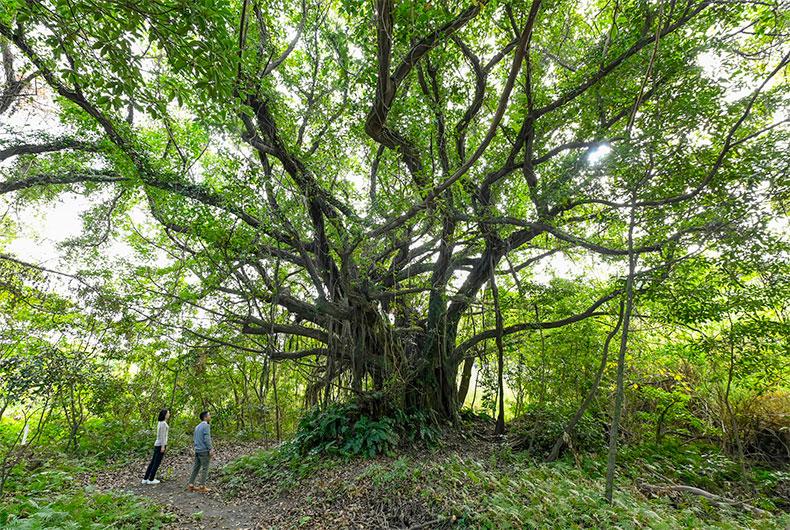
(497,488)
(482,485)
(48,496)
(80,508)
(507,491)
(283,467)
(705,467)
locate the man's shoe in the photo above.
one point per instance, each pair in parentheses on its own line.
(203,489)
(144,481)
(155,481)
(191,488)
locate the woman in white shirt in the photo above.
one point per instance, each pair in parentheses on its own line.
(159,448)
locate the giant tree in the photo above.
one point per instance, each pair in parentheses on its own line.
(337,181)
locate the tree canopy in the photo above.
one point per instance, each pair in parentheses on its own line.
(350,185)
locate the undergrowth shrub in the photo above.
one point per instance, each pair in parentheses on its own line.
(540,426)
(764,425)
(705,466)
(364,427)
(80,508)
(470,415)
(511,491)
(282,466)
(50,496)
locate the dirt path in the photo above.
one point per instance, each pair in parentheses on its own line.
(193,510)
(331,498)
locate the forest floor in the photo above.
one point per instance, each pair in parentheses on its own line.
(191,510)
(242,505)
(469,481)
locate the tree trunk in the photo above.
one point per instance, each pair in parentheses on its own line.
(500,419)
(733,419)
(466,377)
(276,404)
(660,422)
(571,425)
(618,400)
(435,388)
(173,392)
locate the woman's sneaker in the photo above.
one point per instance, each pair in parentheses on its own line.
(155,481)
(145,481)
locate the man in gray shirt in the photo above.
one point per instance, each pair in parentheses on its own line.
(203,453)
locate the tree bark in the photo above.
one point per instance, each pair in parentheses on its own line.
(733,419)
(618,400)
(571,425)
(500,420)
(466,377)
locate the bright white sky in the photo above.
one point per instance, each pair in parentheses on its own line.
(39,230)
(37,241)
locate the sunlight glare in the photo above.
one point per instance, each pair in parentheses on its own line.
(597,154)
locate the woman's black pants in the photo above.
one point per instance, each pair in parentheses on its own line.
(150,473)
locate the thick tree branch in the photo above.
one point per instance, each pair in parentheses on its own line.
(497,118)
(256,326)
(611,66)
(48,147)
(527,326)
(65,178)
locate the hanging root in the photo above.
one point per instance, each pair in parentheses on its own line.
(365,356)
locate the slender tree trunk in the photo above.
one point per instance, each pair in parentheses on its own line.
(276,403)
(571,425)
(660,422)
(466,371)
(483,357)
(263,390)
(521,390)
(239,414)
(542,396)
(173,391)
(270,344)
(474,392)
(733,420)
(466,377)
(500,420)
(618,400)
